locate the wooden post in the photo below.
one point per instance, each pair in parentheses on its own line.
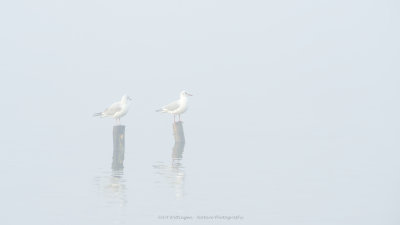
(177,150)
(178,132)
(176,163)
(179,136)
(119,147)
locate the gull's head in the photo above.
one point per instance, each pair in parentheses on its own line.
(185,94)
(125,98)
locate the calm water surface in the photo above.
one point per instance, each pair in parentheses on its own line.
(251,179)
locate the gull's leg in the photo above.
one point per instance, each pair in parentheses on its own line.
(179,117)
(174,118)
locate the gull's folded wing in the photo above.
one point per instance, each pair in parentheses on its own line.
(171,106)
(110,111)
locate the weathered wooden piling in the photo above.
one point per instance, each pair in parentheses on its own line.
(177,155)
(119,147)
(179,136)
(177,150)
(178,132)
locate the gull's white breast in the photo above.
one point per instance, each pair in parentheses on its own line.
(122,112)
(182,107)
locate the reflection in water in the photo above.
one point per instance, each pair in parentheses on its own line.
(175,173)
(113,187)
(178,169)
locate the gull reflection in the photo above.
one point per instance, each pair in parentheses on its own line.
(175,173)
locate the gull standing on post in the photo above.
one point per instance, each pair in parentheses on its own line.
(116,110)
(177,107)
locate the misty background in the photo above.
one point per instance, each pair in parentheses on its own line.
(294,117)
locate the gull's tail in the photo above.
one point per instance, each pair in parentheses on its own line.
(98,114)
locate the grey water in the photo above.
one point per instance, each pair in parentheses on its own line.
(253,178)
(294,118)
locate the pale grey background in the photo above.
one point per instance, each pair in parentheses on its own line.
(294,118)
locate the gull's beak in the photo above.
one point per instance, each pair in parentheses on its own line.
(129,98)
(189,94)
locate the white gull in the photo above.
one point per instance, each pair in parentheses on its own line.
(177,107)
(116,110)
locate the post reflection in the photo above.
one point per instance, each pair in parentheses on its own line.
(113,187)
(175,173)
(177,169)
